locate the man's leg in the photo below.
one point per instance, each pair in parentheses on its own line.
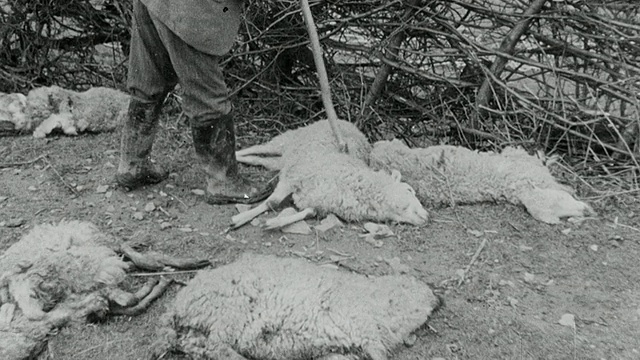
(206,103)
(150,78)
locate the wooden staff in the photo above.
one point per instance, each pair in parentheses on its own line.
(325,90)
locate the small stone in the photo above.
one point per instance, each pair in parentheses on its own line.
(186,229)
(162,193)
(150,196)
(108,194)
(529,278)
(267,244)
(3,198)
(169,186)
(198,192)
(410,340)
(204,233)
(80,188)
(593,247)
(32,188)
(102,189)
(165,225)
(149,207)
(108,165)
(111,209)
(506,283)
(568,320)
(138,215)
(14,223)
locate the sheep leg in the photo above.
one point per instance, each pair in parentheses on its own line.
(145,302)
(223,352)
(154,261)
(282,221)
(126,299)
(550,205)
(335,357)
(279,194)
(21,292)
(271,163)
(263,149)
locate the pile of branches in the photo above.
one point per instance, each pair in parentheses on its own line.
(559,76)
(71,43)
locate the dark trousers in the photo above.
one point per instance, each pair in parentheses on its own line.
(159,59)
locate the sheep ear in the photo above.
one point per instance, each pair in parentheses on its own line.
(395,174)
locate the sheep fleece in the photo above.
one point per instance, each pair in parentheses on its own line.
(267,308)
(442,174)
(316,137)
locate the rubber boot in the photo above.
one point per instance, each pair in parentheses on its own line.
(215,147)
(139,130)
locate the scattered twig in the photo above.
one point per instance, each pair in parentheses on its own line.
(66,184)
(473,260)
(186,207)
(21,163)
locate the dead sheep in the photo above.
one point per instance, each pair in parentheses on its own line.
(97,109)
(264,307)
(12,110)
(317,136)
(56,274)
(339,184)
(445,175)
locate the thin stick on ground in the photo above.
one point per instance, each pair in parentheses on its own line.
(325,90)
(66,184)
(473,260)
(21,163)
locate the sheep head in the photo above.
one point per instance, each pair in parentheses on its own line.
(401,204)
(551,205)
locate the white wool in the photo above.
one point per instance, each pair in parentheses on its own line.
(336,183)
(12,109)
(446,175)
(266,307)
(317,136)
(52,275)
(53,263)
(96,109)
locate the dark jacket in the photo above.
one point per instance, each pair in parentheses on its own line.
(210,26)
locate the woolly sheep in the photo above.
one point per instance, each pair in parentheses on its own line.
(442,175)
(264,307)
(340,184)
(61,273)
(96,109)
(12,107)
(317,136)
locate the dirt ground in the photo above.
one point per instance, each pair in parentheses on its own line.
(527,276)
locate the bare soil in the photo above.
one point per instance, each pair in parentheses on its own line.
(508,305)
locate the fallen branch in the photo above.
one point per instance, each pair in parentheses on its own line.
(473,260)
(66,184)
(385,70)
(508,46)
(21,163)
